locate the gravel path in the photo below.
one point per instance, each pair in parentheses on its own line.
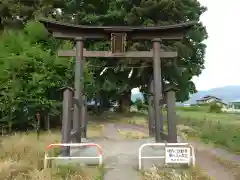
(206,158)
(121,155)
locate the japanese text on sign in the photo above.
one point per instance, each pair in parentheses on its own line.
(177,155)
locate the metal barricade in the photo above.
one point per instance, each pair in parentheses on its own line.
(100,154)
(140,157)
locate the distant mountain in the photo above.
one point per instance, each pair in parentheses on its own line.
(226,93)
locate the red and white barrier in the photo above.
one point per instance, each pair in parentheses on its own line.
(167,146)
(100,154)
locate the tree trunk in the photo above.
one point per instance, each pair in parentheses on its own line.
(47,122)
(95,105)
(125,102)
(104,102)
(101,104)
(10,121)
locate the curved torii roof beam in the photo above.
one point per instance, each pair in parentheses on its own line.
(71,31)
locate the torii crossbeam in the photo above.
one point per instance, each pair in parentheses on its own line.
(109,54)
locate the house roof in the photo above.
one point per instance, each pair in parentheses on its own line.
(235,101)
(217,99)
(73,30)
(208,97)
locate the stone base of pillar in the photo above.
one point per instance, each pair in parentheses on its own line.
(85,140)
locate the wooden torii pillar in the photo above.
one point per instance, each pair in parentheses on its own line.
(171,112)
(151,117)
(169,100)
(79,33)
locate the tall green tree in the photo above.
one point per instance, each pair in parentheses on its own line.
(14,13)
(190,61)
(31,75)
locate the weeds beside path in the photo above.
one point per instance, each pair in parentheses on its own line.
(21,158)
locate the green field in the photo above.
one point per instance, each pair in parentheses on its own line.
(221,129)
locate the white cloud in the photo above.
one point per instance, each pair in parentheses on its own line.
(222,59)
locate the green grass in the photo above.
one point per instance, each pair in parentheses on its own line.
(201,115)
(133,134)
(194,108)
(219,129)
(138,118)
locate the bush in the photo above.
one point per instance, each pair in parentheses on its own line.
(140,105)
(215,108)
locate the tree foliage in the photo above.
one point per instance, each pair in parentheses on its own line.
(31,73)
(140,105)
(149,13)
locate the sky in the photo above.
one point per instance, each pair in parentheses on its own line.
(222,62)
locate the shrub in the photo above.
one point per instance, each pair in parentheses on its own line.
(215,108)
(140,105)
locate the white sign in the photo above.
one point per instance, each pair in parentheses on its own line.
(177,155)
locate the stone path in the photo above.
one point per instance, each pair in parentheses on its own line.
(121,155)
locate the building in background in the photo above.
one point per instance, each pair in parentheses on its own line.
(212,99)
(235,104)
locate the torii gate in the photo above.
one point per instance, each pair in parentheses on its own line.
(119,35)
